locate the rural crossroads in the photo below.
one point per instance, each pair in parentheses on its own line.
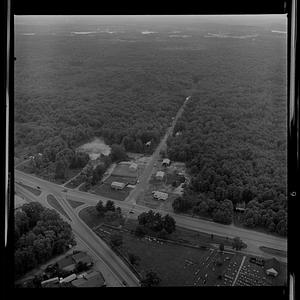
(116,272)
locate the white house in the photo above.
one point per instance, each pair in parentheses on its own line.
(160,175)
(117,185)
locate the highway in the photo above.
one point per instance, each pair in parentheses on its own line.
(253,239)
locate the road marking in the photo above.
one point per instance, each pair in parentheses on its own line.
(238,272)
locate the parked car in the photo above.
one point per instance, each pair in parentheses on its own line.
(38,187)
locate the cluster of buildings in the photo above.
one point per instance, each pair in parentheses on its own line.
(90,278)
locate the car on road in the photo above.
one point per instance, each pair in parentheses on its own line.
(124,282)
(131,212)
(65,190)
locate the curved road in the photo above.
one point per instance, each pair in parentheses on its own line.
(115,271)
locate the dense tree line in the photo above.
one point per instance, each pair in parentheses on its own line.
(233,132)
(235,154)
(40,234)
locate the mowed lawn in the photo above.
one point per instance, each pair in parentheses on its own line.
(105,190)
(168,261)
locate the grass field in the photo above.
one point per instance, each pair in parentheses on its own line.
(179,265)
(106,191)
(124,171)
(55,204)
(74,203)
(31,189)
(124,179)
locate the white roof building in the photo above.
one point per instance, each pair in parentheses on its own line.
(118,185)
(160,174)
(272,272)
(69,278)
(166,161)
(160,195)
(133,167)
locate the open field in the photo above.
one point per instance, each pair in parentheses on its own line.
(127,180)
(55,204)
(122,169)
(30,189)
(179,265)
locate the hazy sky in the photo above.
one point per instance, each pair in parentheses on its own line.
(228,19)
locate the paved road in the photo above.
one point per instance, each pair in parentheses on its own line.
(113,268)
(142,186)
(252,238)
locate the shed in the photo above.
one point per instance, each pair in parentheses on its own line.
(69,278)
(272,272)
(117,185)
(166,162)
(133,167)
(51,280)
(148,143)
(160,175)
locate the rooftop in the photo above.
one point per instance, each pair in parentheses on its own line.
(160,174)
(116,183)
(91,279)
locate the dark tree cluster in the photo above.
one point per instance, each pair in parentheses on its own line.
(110,212)
(150,222)
(40,234)
(234,154)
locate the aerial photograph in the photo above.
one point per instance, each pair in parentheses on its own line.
(150,151)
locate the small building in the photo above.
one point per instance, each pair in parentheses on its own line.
(133,167)
(160,195)
(89,279)
(148,144)
(272,267)
(51,280)
(68,278)
(272,272)
(160,175)
(117,185)
(166,162)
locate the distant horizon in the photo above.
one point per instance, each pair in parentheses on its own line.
(227,19)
